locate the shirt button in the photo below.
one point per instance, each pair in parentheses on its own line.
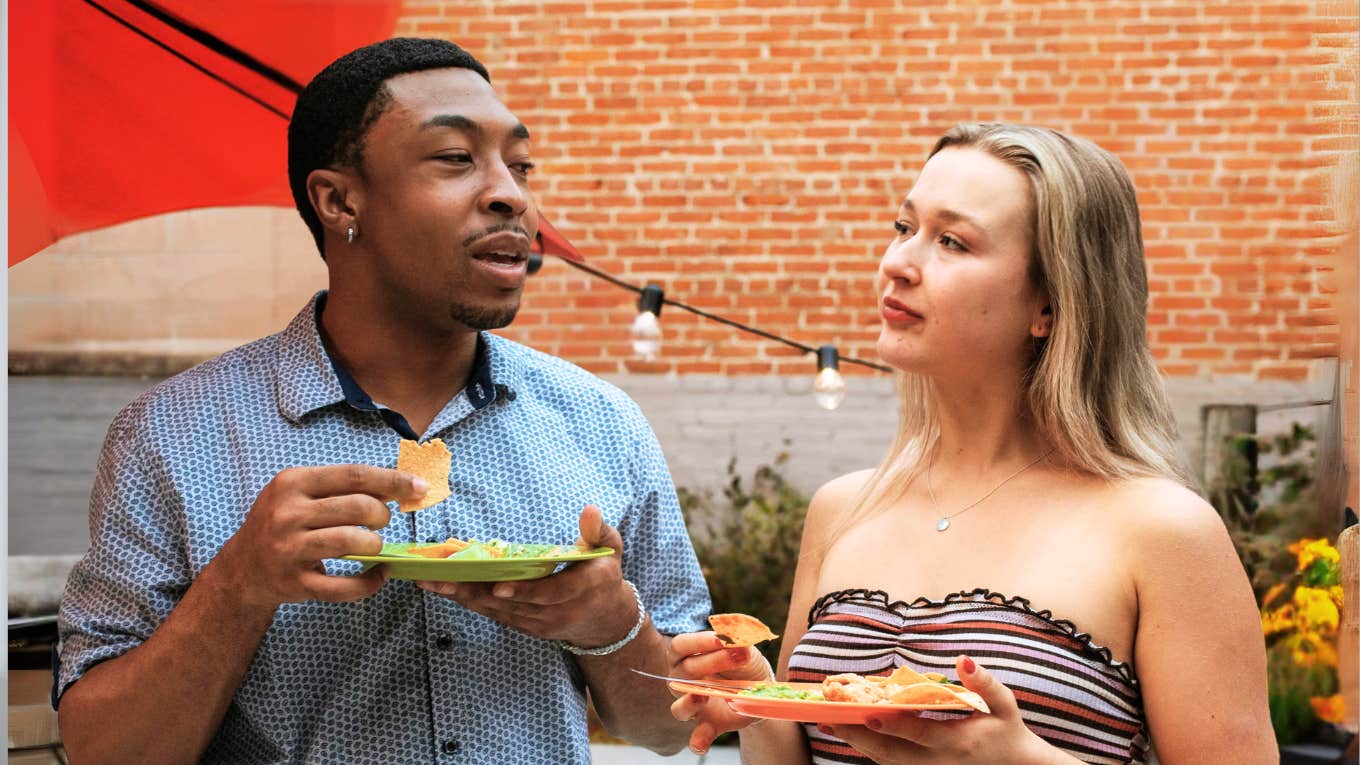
(443,642)
(451,747)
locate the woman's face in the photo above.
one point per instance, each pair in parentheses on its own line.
(956,298)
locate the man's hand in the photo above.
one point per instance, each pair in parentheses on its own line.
(305,515)
(587,604)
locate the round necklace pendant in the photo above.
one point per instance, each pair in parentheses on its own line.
(942,525)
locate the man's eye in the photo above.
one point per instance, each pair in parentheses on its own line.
(523,168)
(454,158)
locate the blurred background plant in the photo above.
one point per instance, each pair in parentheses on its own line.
(747,542)
(1280,524)
(1268,509)
(1301,634)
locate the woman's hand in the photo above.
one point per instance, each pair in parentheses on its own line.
(700,655)
(999,737)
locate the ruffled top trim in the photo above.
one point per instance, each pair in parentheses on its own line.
(1124,669)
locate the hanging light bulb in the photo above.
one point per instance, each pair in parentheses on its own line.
(646,329)
(829,387)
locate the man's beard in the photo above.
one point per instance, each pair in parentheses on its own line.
(481,319)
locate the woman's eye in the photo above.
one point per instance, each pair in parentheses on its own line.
(950,243)
(902,227)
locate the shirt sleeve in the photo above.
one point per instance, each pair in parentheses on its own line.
(136,569)
(658,556)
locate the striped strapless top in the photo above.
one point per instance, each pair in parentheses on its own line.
(1071,692)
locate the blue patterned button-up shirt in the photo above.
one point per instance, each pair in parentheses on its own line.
(404,676)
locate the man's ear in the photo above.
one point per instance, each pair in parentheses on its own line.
(1043,324)
(337,198)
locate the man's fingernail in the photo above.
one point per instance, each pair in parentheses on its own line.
(420,486)
(873,723)
(968,666)
(503,591)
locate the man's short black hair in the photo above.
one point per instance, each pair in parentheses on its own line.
(335,110)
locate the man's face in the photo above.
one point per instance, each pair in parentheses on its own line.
(446,212)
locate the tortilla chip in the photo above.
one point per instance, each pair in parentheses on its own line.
(740,630)
(430,461)
(440,550)
(907,686)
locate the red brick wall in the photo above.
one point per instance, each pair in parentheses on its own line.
(748,156)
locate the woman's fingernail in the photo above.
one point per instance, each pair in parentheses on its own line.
(736,654)
(503,591)
(873,723)
(825,730)
(968,665)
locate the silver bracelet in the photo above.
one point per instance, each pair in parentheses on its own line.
(605,650)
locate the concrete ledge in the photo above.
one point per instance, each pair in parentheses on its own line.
(36,582)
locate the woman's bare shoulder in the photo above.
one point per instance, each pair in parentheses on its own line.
(1165,522)
(833,500)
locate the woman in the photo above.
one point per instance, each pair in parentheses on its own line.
(1030,533)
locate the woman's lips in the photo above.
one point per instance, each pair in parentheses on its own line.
(898,313)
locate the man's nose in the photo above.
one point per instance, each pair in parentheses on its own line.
(505,195)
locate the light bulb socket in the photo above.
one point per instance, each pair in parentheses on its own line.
(827,358)
(535,263)
(651,299)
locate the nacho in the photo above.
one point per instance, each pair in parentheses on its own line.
(440,550)
(430,461)
(904,686)
(740,630)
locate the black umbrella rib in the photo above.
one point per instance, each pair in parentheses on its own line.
(218,45)
(168,49)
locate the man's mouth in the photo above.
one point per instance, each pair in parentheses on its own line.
(503,248)
(501,258)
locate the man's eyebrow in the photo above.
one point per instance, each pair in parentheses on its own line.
(459,122)
(947,215)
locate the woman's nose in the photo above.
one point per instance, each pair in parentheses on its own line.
(901,261)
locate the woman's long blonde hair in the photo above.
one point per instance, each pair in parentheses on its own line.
(1092,390)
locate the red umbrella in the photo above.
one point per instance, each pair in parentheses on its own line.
(120,109)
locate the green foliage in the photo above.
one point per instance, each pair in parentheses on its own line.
(747,543)
(1290,714)
(1266,511)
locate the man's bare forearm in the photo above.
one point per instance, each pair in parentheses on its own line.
(631,706)
(163,701)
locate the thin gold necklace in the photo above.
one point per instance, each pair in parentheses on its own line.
(943,523)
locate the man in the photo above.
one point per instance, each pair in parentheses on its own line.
(210,620)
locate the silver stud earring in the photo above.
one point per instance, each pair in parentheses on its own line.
(349,234)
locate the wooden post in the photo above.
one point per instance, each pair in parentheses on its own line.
(1219,423)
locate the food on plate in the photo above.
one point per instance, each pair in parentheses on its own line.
(471,549)
(904,686)
(739,630)
(781,691)
(430,461)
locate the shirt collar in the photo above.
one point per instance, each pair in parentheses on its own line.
(307,378)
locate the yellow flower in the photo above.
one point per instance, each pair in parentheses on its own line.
(1315,609)
(1310,650)
(1278,620)
(1309,550)
(1273,593)
(1337,594)
(1330,709)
